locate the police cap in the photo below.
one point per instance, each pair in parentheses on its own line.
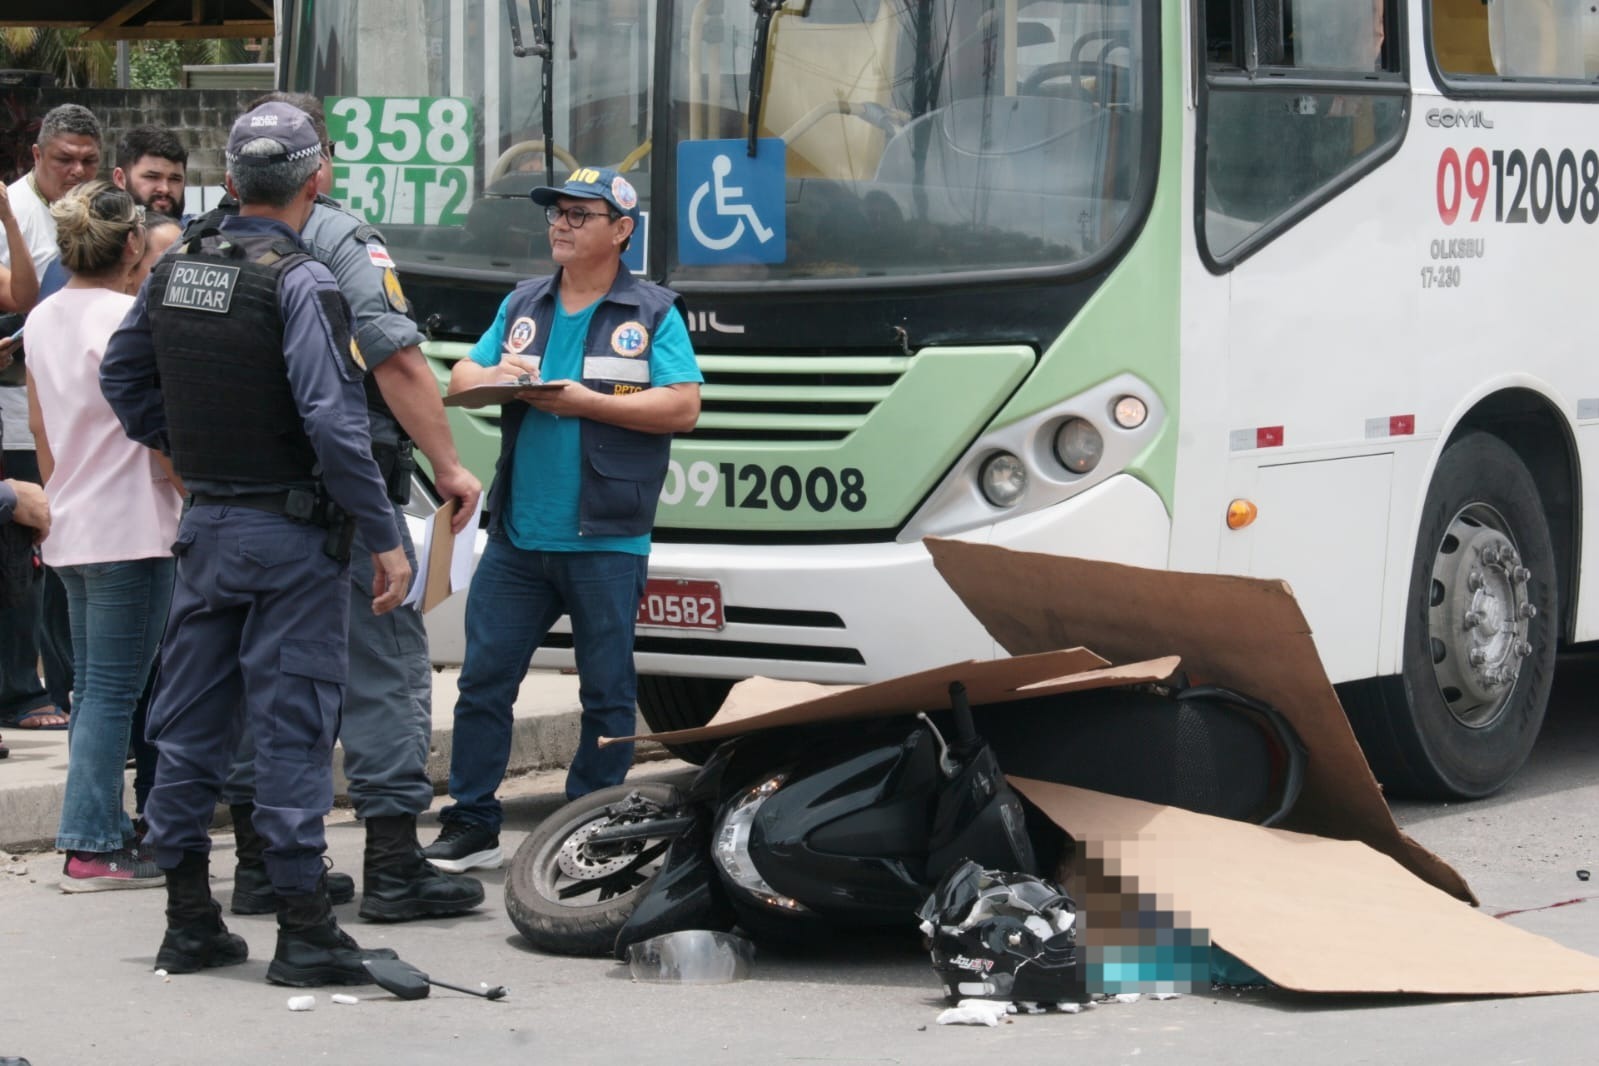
(289,126)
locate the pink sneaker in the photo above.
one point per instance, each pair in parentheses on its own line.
(88,871)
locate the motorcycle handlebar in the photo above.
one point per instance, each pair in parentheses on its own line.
(960,706)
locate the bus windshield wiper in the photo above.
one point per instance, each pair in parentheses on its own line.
(765,10)
(539,16)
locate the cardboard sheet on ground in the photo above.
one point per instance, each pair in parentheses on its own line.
(1311,914)
(762,703)
(1244,633)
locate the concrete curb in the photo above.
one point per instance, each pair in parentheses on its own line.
(544,736)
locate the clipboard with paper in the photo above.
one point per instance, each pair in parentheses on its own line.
(444,561)
(502,392)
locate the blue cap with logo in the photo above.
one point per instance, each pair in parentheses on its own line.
(289,126)
(593,183)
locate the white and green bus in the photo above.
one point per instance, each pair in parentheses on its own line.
(1290,288)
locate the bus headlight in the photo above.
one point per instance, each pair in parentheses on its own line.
(1003,479)
(1078,445)
(1130,412)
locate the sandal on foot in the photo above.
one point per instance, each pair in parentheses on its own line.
(41,718)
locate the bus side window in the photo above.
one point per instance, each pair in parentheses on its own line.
(1272,153)
(1520,40)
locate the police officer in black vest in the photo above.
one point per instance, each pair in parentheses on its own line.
(237,360)
(387,723)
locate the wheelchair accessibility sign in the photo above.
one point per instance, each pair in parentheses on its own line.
(730,208)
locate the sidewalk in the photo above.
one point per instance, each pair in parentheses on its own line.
(33,780)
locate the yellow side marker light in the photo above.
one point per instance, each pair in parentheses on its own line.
(1241,513)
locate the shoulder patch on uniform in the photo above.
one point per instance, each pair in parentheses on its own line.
(520,335)
(352,367)
(201,287)
(629,338)
(392,291)
(379,255)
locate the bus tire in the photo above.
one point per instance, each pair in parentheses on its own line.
(1462,716)
(669,703)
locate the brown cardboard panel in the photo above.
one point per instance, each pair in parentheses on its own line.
(762,703)
(1312,914)
(1245,633)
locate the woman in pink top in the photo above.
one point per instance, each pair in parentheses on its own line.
(115,506)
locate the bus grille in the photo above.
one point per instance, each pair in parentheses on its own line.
(781,398)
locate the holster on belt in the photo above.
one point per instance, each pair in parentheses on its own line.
(341,530)
(396,462)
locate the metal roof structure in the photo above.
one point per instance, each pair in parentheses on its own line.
(118,20)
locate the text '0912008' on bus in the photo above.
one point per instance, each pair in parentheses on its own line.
(1280,287)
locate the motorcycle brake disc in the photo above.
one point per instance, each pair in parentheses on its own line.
(576,861)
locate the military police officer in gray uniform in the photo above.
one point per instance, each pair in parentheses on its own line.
(387,723)
(237,360)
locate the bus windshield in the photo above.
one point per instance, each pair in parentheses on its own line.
(438,127)
(893,138)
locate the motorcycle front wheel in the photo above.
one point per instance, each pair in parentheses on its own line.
(569,897)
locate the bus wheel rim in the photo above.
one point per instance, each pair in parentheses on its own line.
(1479,616)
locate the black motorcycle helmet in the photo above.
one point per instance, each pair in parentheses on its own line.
(997,935)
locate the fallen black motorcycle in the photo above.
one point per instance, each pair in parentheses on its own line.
(794,832)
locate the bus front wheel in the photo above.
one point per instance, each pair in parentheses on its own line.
(1480,631)
(669,703)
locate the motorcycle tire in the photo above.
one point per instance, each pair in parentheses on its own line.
(587,922)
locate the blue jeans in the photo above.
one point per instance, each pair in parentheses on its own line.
(117,612)
(515,597)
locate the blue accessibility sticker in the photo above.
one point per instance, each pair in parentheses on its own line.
(636,256)
(730,208)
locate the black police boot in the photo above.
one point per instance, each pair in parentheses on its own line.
(252,888)
(196,938)
(313,950)
(398,884)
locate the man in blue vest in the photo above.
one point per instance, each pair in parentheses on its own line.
(581,465)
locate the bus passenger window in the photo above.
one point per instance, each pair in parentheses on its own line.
(1519,40)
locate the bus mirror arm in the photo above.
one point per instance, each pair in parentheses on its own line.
(541,43)
(539,16)
(765,11)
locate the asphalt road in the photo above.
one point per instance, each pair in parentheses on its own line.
(79,989)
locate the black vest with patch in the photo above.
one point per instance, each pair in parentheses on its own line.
(217,330)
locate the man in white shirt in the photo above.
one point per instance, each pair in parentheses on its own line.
(65,155)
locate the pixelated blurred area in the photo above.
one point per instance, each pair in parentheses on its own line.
(1130,940)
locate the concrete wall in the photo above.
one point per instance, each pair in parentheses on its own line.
(200,117)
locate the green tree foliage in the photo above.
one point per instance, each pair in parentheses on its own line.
(77,63)
(154,65)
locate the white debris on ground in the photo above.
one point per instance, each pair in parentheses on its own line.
(345,998)
(989,1011)
(976,1012)
(302,1003)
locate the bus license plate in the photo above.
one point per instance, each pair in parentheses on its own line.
(676,604)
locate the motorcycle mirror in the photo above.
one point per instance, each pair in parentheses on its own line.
(399,977)
(407,982)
